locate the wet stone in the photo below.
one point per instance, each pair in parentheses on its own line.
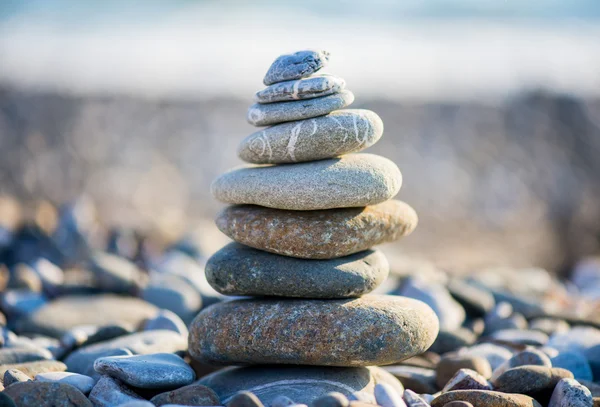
(295,66)
(300,89)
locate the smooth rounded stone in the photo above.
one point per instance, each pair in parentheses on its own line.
(117,274)
(174,294)
(354,180)
(570,393)
(192,395)
(448,341)
(139,403)
(338,133)
(274,113)
(166,320)
(495,354)
(244,271)
(387,396)
(295,66)
(332,399)
(549,326)
(300,89)
(140,343)
(450,313)
(244,399)
(475,300)
(575,362)
(521,336)
(107,332)
(110,392)
(371,330)
(22,355)
(412,399)
(584,339)
(14,376)
(485,398)
(535,381)
(501,317)
(529,308)
(32,369)
(81,382)
(44,394)
(282,401)
(21,303)
(467,379)
(317,234)
(63,314)
(25,277)
(459,404)
(417,379)
(452,363)
(303,384)
(154,371)
(529,356)
(6,401)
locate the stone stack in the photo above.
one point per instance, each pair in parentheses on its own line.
(304,217)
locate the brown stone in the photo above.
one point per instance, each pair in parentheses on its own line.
(191,395)
(459,404)
(33,368)
(46,394)
(452,363)
(535,381)
(371,330)
(485,398)
(323,234)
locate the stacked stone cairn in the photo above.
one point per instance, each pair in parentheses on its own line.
(304,215)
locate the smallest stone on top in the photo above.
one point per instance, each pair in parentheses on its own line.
(296,66)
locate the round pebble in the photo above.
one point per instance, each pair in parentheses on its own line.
(43,394)
(81,382)
(295,66)
(300,89)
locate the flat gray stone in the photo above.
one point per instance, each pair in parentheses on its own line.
(300,89)
(155,371)
(354,180)
(174,293)
(241,270)
(116,274)
(110,392)
(371,330)
(22,355)
(273,113)
(81,382)
(295,66)
(41,394)
(338,133)
(192,395)
(302,384)
(167,320)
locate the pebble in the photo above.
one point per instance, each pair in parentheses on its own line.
(110,392)
(459,404)
(303,384)
(65,313)
(117,274)
(450,364)
(154,371)
(412,399)
(244,399)
(106,332)
(529,356)
(306,88)
(476,301)
(317,234)
(14,376)
(495,354)
(355,180)
(241,270)
(32,369)
(418,379)
(51,276)
(166,320)
(570,393)
(449,341)
(81,382)
(173,293)
(338,133)
(535,381)
(295,66)
(313,332)
(20,303)
(387,396)
(283,401)
(22,355)
(584,339)
(549,326)
(333,399)
(521,336)
(488,398)
(575,362)
(191,395)
(467,379)
(141,403)
(44,394)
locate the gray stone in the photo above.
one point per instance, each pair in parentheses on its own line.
(495,354)
(502,316)
(43,394)
(575,362)
(14,376)
(300,89)
(485,398)
(412,399)
(282,401)
(535,381)
(61,315)
(338,133)
(51,276)
(32,369)
(549,326)
(313,332)
(333,399)
(241,270)
(388,396)
(475,300)
(140,403)
(168,320)
(521,336)
(303,384)
(25,277)
(110,392)
(192,395)
(417,379)
(295,66)
(531,356)
(467,379)
(448,341)
(452,363)
(355,180)
(154,371)
(171,292)
(81,382)
(117,274)
(325,234)
(584,339)
(22,355)
(244,399)
(274,113)
(21,303)
(6,401)
(570,393)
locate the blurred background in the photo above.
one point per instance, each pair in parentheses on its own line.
(491,110)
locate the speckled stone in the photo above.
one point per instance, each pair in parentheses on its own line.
(280,112)
(302,384)
(317,234)
(33,368)
(412,399)
(417,379)
(241,270)
(43,394)
(295,66)
(192,395)
(340,132)
(485,398)
(452,363)
(448,341)
(459,404)
(300,89)
(535,381)
(530,356)
(387,396)
(371,330)
(467,379)
(110,392)
(83,383)
(155,371)
(570,393)
(351,181)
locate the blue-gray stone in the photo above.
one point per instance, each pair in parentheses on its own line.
(22,355)
(14,376)
(168,291)
(570,393)
(273,113)
(51,276)
(111,392)
(300,89)
(167,320)
(521,336)
(575,362)
(388,396)
(116,274)
(21,302)
(529,356)
(338,133)
(495,354)
(154,371)
(475,300)
(241,270)
(76,222)
(83,383)
(583,339)
(295,66)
